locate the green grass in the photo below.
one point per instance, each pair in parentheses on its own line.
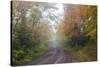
(24,54)
(84,53)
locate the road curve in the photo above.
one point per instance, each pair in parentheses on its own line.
(54,56)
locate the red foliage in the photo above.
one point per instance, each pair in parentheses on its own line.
(74,34)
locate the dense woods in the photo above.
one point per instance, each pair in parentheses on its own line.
(34,24)
(30,32)
(79,31)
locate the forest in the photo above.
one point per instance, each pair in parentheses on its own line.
(48,33)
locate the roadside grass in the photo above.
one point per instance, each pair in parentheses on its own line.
(83,53)
(25,54)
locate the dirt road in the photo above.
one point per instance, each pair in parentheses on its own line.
(55,55)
